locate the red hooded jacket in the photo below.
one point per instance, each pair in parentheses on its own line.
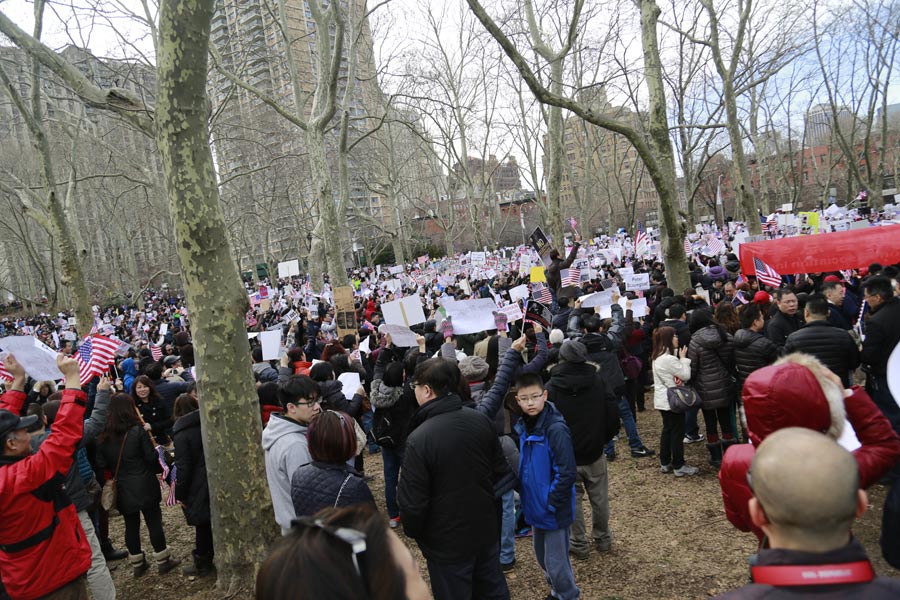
(789,395)
(42,544)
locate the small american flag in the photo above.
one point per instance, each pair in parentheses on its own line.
(94,356)
(4,374)
(766,274)
(541,293)
(156,352)
(687,246)
(769,224)
(570,277)
(640,240)
(715,246)
(573,223)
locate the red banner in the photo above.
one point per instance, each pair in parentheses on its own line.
(825,252)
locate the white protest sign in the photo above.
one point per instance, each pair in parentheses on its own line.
(289,268)
(472,316)
(350,383)
(406,311)
(364,345)
(163,329)
(478,258)
(38,359)
(520,292)
(395,270)
(512,311)
(597,299)
(291,316)
(638,281)
(638,306)
(625,273)
(55,339)
(271,343)
(73,321)
(465,287)
(401,336)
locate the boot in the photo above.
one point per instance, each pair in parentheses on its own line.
(726,444)
(201,567)
(110,553)
(715,454)
(138,563)
(165,562)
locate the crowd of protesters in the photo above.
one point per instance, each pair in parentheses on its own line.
(483,436)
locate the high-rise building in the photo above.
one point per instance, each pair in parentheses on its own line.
(819,124)
(261,156)
(118,206)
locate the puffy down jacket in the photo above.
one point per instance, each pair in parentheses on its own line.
(712,355)
(323,485)
(752,351)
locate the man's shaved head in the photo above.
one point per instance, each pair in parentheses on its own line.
(807,485)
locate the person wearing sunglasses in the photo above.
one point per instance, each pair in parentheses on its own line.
(285,445)
(341,554)
(805,498)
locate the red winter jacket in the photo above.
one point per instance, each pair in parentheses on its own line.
(789,395)
(42,544)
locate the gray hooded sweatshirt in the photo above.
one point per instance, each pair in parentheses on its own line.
(284,441)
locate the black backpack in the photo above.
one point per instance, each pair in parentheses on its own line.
(387,429)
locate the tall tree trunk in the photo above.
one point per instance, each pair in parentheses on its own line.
(242,517)
(662,171)
(555,159)
(332,236)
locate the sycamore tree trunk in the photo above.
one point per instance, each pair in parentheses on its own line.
(331,234)
(555,159)
(242,518)
(663,168)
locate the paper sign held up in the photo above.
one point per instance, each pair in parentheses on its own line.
(638,281)
(38,359)
(537,275)
(401,336)
(290,268)
(406,311)
(271,343)
(519,292)
(350,383)
(472,316)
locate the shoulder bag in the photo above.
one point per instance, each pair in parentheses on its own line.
(108,495)
(682,398)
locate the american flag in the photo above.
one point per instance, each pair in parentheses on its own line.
(156,352)
(4,374)
(570,277)
(766,274)
(714,246)
(769,224)
(640,240)
(94,356)
(687,246)
(541,293)
(573,223)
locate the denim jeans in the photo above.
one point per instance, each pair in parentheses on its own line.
(508,528)
(368,418)
(634,439)
(392,459)
(551,548)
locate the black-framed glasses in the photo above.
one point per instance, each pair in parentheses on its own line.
(352,537)
(308,402)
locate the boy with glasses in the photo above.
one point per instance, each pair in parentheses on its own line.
(547,473)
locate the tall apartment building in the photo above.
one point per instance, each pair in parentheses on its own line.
(261,157)
(604,182)
(119,206)
(819,124)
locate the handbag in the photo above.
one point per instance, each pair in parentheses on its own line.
(631,366)
(682,398)
(108,494)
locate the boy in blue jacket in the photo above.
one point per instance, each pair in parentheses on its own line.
(547,476)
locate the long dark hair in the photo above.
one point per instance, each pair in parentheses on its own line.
(309,563)
(143,379)
(121,417)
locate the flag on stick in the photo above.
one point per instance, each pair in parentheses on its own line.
(766,274)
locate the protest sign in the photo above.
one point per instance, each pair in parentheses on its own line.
(265,305)
(472,316)
(396,270)
(344,311)
(401,336)
(513,312)
(406,311)
(271,343)
(38,359)
(349,383)
(638,281)
(290,268)
(541,244)
(537,275)
(478,258)
(603,298)
(538,313)
(519,292)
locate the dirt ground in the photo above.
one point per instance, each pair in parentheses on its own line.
(671,539)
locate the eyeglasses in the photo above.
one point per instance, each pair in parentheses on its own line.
(352,537)
(529,399)
(308,402)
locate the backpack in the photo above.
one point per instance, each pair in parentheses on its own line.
(387,431)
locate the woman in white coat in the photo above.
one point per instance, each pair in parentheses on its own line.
(670,363)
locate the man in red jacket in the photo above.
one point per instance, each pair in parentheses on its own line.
(43,549)
(799,391)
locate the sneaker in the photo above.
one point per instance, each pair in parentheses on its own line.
(691,439)
(507,567)
(603,546)
(642,452)
(611,457)
(666,469)
(394,522)
(686,470)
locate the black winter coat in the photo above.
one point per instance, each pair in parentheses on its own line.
(192,486)
(780,326)
(446,490)
(321,485)
(159,416)
(752,351)
(137,486)
(604,352)
(682,331)
(331,393)
(831,345)
(579,392)
(882,336)
(712,359)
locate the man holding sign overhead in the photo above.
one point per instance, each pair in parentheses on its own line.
(556,265)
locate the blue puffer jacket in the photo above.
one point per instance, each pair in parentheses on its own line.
(547,471)
(323,485)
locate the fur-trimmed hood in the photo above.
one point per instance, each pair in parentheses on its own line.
(383,396)
(794,392)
